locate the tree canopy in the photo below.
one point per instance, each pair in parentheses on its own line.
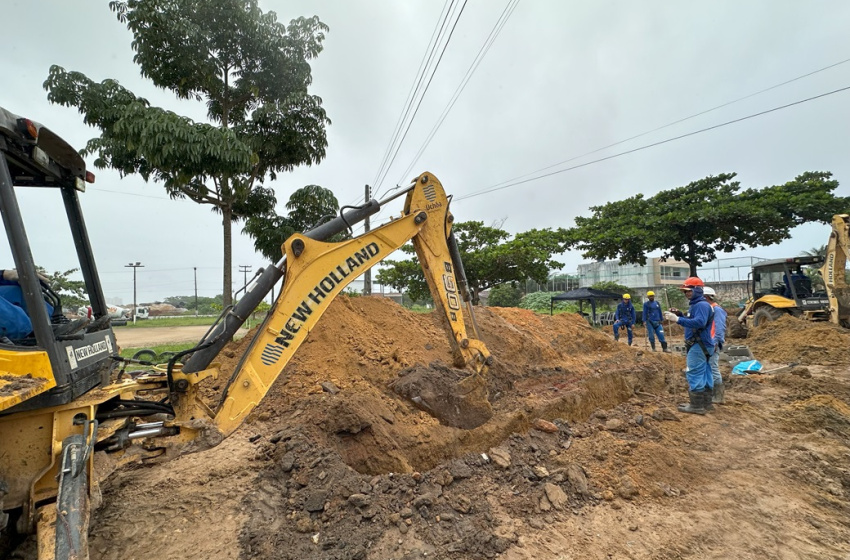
(490,258)
(251,71)
(72,292)
(308,207)
(708,216)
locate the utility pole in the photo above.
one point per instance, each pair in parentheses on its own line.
(245,269)
(196,290)
(367,277)
(134,266)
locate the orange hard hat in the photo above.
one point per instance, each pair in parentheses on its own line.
(692,283)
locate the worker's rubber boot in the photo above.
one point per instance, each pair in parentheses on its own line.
(695,406)
(706,399)
(718,396)
(664,347)
(652,345)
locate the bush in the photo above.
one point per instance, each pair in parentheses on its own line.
(504,295)
(540,301)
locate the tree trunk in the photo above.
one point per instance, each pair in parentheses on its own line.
(227,225)
(692,259)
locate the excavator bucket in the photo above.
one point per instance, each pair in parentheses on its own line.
(16,388)
(452,396)
(842,296)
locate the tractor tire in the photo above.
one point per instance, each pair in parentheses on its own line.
(146,355)
(766,314)
(734,328)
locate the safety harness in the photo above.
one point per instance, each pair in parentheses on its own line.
(697,338)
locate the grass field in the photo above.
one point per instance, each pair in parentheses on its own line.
(169,322)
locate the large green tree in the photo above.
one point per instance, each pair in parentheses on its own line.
(307,207)
(706,217)
(490,258)
(252,73)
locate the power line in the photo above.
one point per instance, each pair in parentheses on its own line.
(640,148)
(482,52)
(806,75)
(417,82)
(421,97)
(127,193)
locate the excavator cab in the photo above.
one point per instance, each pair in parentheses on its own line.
(47,360)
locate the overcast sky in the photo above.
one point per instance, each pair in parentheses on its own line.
(562,79)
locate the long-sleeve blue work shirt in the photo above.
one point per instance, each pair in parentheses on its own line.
(719,328)
(699,314)
(626,313)
(652,312)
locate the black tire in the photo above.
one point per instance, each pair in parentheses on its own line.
(146,355)
(766,314)
(165,356)
(734,328)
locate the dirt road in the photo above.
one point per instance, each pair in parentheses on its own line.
(154,336)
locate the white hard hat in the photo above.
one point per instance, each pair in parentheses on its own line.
(709,292)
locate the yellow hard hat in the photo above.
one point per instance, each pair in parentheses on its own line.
(650,293)
(627,296)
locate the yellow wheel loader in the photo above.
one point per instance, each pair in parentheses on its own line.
(785,287)
(62,397)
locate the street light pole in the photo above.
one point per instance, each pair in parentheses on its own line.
(134,266)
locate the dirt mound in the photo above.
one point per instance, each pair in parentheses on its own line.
(789,339)
(543,367)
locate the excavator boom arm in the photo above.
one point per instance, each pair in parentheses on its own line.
(316,272)
(832,272)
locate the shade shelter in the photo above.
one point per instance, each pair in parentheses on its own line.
(584,294)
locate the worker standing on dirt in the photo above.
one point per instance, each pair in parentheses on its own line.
(652,318)
(718,332)
(625,316)
(699,343)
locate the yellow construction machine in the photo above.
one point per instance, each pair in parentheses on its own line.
(783,286)
(63,396)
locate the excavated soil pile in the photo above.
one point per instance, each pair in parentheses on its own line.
(364,346)
(789,339)
(353,456)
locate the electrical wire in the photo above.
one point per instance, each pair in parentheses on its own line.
(422,96)
(482,52)
(417,82)
(679,121)
(644,147)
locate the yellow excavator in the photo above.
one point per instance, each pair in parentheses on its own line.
(782,286)
(64,395)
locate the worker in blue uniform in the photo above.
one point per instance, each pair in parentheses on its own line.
(652,318)
(625,317)
(699,344)
(718,333)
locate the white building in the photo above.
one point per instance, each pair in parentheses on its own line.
(654,274)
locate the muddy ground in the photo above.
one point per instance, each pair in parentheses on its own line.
(584,457)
